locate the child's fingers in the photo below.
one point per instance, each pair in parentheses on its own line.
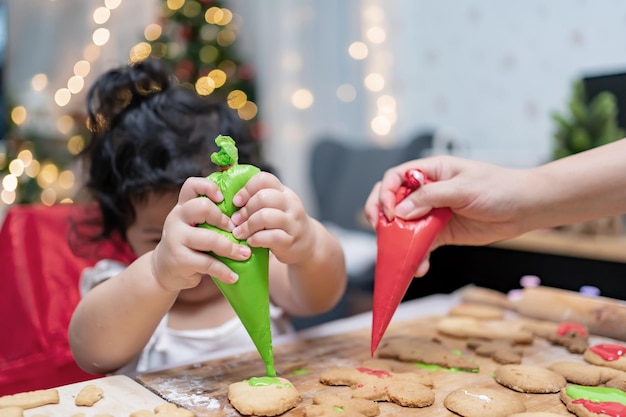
(206,240)
(260,181)
(198,186)
(202,210)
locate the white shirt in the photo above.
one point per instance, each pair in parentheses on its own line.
(169,347)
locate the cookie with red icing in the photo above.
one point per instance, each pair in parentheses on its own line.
(607,354)
(594,401)
(407,389)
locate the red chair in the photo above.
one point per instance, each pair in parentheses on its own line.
(39,275)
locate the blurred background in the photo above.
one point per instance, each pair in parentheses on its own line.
(484,77)
(336,91)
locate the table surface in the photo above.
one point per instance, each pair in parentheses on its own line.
(344,343)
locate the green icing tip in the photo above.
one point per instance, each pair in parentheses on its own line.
(301,371)
(228,153)
(338,408)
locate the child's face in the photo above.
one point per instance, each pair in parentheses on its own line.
(144,234)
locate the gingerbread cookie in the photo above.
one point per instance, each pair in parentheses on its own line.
(395,366)
(89,395)
(427,351)
(327,404)
(466,327)
(571,335)
(481,402)
(593,401)
(407,389)
(607,354)
(477,311)
(501,351)
(30,399)
(529,379)
(263,396)
(590,375)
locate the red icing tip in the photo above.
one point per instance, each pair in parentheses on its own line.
(402,245)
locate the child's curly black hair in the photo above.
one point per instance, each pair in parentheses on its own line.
(149,134)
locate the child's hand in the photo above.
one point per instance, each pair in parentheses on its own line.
(179,261)
(273,216)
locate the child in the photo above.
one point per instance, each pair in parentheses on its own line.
(146,165)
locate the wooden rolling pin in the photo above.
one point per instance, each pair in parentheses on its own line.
(603,316)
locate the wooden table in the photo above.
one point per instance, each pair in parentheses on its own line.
(554,242)
(301,361)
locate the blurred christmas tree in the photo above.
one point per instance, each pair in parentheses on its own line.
(197,37)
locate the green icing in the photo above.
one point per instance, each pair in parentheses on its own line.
(433,367)
(301,371)
(228,153)
(596,394)
(337,408)
(263,381)
(457,352)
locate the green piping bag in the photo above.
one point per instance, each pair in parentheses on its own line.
(249,296)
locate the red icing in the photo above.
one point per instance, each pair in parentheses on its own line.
(375,372)
(608,408)
(566,327)
(608,351)
(402,245)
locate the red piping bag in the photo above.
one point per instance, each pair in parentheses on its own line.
(402,245)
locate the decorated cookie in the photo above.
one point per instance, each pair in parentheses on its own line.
(607,354)
(263,396)
(326,404)
(571,335)
(536,414)
(501,351)
(594,401)
(481,402)
(529,378)
(477,311)
(396,366)
(407,389)
(426,351)
(465,327)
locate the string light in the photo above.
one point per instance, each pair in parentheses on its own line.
(56,184)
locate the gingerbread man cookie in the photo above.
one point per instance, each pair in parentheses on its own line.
(501,351)
(326,404)
(477,311)
(466,327)
(427,351)
(406,389)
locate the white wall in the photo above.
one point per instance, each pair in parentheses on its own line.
(487,73)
